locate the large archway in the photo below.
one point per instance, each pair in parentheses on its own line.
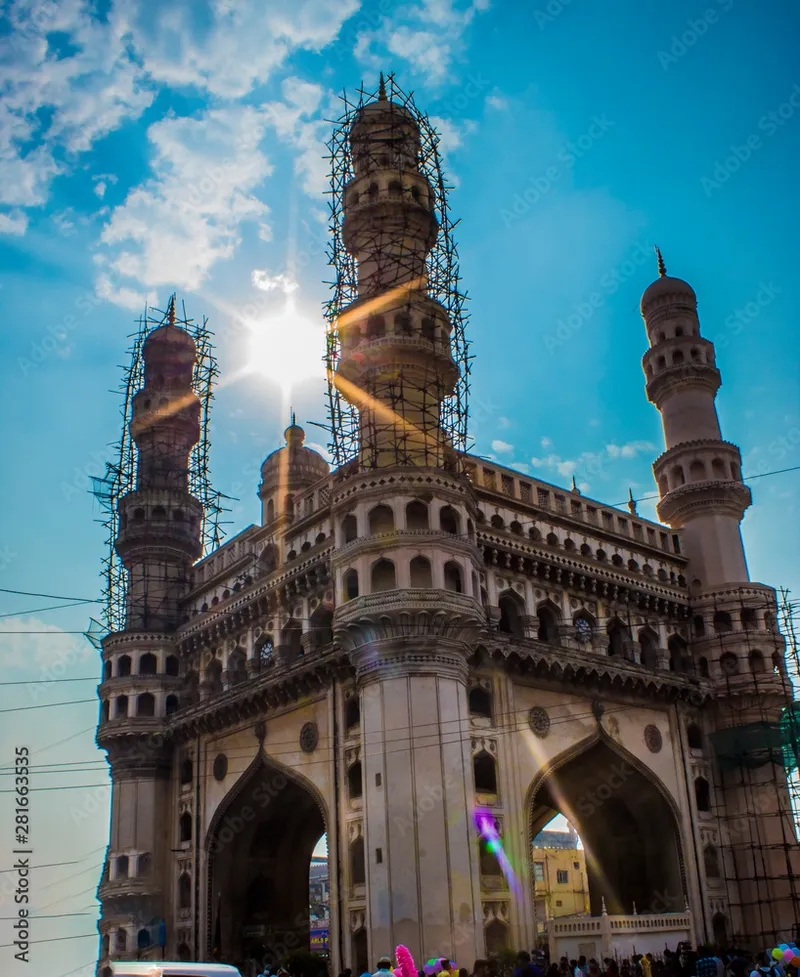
(260,846)
(627,825)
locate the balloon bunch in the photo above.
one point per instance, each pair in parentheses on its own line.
(434,966)
(786,953)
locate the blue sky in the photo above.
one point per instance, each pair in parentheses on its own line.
(146,148)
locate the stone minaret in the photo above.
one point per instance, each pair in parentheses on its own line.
(735,642)
(405,564)
(159,538)
(396,363)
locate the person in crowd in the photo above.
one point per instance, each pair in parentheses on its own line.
(553,970)
(384,968)
(480,968)
(563,967)
(575,970)
(764,966)
(611,968)
(444,967)
(625,969)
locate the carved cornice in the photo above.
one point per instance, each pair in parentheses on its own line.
(404,538)
(680,505)
(405,481)
(672,379)
(128,641)
(594,671)
(716,445)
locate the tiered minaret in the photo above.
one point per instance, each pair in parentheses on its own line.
(735,642)
(699,475)
(405,563)
(159,538)
(397,365)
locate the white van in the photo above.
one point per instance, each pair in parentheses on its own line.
(163,968)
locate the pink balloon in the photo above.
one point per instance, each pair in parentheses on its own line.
(788,955)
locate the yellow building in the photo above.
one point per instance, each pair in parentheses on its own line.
(562,885)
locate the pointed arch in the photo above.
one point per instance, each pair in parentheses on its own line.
(648,647)
(549,622)
(512,611)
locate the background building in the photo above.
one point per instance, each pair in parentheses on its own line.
(561,884)
(419,632)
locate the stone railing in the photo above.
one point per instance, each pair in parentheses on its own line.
(618,936)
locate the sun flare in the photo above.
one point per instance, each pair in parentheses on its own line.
(286,347)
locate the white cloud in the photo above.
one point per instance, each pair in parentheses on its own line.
(100,188)
(228,47)
(502,447)
(175,226)
(590,463)
(298,122)
(271,283)
(428,35)
(546,443)
(15,222)
(43,650)
(496,101)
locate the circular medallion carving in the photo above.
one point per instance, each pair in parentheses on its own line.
(652,737)
(220,766)
(309,737)
(539,721)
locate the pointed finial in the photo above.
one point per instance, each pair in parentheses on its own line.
(662,268)
(575,489)
(631,503)
(634,910)
(171,310)
(604,911)
(382,90)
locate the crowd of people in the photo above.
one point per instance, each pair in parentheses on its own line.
(706,961)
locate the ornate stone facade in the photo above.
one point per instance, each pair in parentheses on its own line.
(402,640)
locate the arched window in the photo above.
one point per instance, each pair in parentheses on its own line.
(449,521)
(172,665)
(428,329)
(106,946)
(497,521)
(121,707)
(718,468)
(719,927)
(395,188)
(452,577)
(321,626)
(213,675)
(352,712)
(552,540)
(159,512)
(144,865)
(106,710)
(678,654)
(184,891)
(383,576)
(185,827)
(145,705)
(349,528)
(756,661)
(143,940)
(376,327)
(148,664)
(106,670)
(702,664)
(722,622)
(548,618)
(184,953)
(270,510)
(617,639)
(699,625)
(484,771)
(420,570)
(121,940)
(350,584)
(749,622)
(677,358)
(480,703)
(171,705)
(355,787)
(694,737)
(678,478)
(777,662)
(122,867)
(416,515)
(489,865)
(124,666)
(186,771)
(496,934)
(769,621)
(702,794)
(381,520)
(648,648)
(729,663)
(402,324)
(512,609)
(358,875)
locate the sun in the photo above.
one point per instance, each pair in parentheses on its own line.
(286,347)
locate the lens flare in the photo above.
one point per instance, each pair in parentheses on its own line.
(484,822)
